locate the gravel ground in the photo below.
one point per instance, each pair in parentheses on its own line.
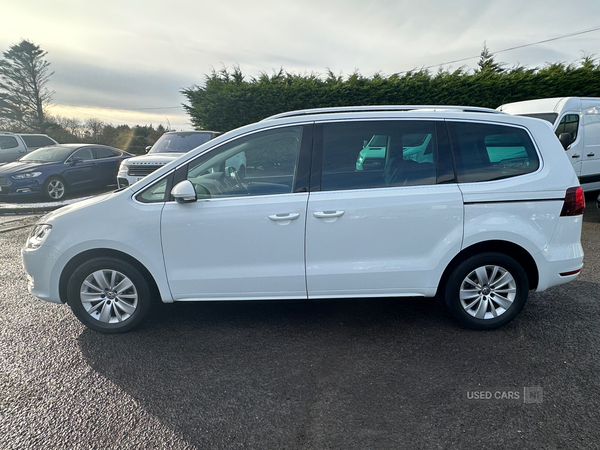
(328,374)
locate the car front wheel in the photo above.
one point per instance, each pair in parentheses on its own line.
(109,295)
(487,291)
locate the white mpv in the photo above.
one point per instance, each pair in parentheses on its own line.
(489,211)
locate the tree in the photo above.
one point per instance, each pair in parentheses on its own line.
(486,62)
(24,96)
(94,129)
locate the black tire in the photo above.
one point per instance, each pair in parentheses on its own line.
(485,306)
(100,295)
(54,189)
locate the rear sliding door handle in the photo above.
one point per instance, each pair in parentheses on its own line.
(591,154)
(284,217)
(328,214)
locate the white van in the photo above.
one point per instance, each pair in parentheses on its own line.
(576,122)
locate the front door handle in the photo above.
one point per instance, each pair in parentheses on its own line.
(575,155)
(284,217)
(591,154)
(328,214)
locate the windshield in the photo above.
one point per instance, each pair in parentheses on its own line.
(48,154)
(179,142)
(550,117)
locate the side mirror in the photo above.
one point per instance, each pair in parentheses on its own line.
(75,161)
(565,139)
(148,148)
(184,192)
(364,144)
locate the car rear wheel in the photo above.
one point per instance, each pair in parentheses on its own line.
(487,291)
(54,188)
(109,295)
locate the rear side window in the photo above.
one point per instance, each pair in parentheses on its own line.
(104,152)
(8,142)
(37,141)
(378,154)
(485,152)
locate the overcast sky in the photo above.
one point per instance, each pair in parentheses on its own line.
(126,61)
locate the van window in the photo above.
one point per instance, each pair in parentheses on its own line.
(376,154)
(568,124)
(485,152)
(550,117)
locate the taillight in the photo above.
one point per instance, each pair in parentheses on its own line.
(574,202)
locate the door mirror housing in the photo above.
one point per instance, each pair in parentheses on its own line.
(184,192)
(75,161)
(148,148)
(565,139)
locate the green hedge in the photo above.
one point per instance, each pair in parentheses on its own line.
(229,100)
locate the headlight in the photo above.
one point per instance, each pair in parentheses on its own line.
(27,175)
(38,235)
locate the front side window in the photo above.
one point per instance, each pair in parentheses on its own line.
(262,163)
(568,124)
(485,152)
(85,154)
(376,154)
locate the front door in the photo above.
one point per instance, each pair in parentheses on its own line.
(244,236)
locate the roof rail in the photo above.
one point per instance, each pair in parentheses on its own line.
(345,109)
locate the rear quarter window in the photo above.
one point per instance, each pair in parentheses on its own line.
(486,152)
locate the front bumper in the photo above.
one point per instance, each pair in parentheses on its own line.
(38,263)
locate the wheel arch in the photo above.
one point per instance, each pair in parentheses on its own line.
(102,253)
(511,249)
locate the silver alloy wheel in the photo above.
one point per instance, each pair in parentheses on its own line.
(56,189)
(109,296)
(488,292)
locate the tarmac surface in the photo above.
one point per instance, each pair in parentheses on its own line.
(356,374)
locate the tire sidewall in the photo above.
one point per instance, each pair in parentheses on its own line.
(460,272)
(107,263)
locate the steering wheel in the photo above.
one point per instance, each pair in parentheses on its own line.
(233,179)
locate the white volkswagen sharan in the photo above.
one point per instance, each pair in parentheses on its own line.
(472,205)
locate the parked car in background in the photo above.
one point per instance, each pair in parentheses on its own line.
(171,145)
(13,146)
(52,172)
(576,122)
(470,226)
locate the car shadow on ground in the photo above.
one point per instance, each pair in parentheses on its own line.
(343,374)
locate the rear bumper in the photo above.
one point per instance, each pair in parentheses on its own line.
(562,259)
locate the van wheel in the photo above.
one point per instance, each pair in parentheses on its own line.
(487,291)
(109,295)
(54,188)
